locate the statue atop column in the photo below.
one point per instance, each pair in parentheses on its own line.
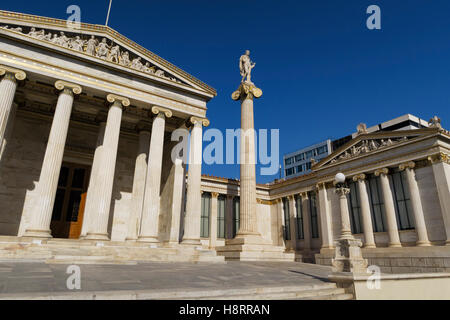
(246,66)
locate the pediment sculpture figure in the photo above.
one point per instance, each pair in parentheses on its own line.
(103,49)
(246,66)
(77,44)
(125,61)
(91,45)
(114,54)
(137,64)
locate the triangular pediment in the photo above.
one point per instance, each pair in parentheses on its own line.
(370,143)
(100,43)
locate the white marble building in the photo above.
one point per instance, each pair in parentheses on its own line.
(82,110)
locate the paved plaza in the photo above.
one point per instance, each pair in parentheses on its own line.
(40,278)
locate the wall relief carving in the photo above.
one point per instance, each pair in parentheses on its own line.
(103,48)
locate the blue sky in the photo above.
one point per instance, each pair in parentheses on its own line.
(322,71)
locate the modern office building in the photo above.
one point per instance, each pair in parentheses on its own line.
(299,162)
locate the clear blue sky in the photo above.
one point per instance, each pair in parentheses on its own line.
(322,71)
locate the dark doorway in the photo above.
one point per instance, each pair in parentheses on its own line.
(68,211)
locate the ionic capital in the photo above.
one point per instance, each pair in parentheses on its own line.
(359,177)
(215,195)
(438,158)
(12,73)
(203,121)
(112,98)
(246,91)
(157,110)
(304,195)
(342,192)
(68,87)
(291,197)
(407,165)
(321,185)
(383,171)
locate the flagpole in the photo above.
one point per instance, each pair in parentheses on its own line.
(109,11)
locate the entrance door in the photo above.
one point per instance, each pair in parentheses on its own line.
(68,210)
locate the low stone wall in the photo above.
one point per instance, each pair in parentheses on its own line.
(427,286)
(401,260)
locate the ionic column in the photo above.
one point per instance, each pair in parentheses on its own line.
(229,219)
(150,210)
(391,219)
(8,86)
(51,166)
(369,239)
(94,191)
(140,173)
(293,223)
(99,227)
(193,203)
(416,204)
(325,217)
(306,221)
(213,220)
(441,171)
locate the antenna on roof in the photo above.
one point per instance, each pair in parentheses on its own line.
(109,11)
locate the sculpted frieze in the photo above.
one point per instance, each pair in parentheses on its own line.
(91,45)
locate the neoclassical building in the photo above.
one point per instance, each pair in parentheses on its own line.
(87,171)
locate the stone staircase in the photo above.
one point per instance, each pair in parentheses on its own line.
(97,252)
(325,291)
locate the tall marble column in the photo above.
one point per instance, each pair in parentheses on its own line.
(248,226)
(140,174)
(441,171)
(8,86)
(293,222)
(369,239)
(106,170)
(306,221)
(193,201)
(93,189)
(213,220)
(150,209)
(325,217)
(391,219)
(416,204)
(48,181)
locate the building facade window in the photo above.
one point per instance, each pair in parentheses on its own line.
(402,201)
(313,215)
(287,225)
(354,207)
(205,214)
(288,161)
(289,171)
(299,218)
(221,209)
(236,215)
(376,204)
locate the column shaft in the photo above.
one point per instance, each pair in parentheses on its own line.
(391,220)
(193,202)
(325,218)
(306,221)
(416,204)
(51,167)
(8,86)
(369,239)
(99,228)
(140,173)
(248,225)
(229,219)
(150,211)
(94,191)
(293,222)
(213,221)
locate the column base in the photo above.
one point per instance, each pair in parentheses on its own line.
(447,243)
(194,242)
(47,234)
(348,257)
(148,239)
(97,236)
(423,243)
(395,245)
(369,246)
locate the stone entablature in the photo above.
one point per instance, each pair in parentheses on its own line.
(23,24)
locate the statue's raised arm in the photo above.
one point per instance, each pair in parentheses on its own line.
(246,66)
